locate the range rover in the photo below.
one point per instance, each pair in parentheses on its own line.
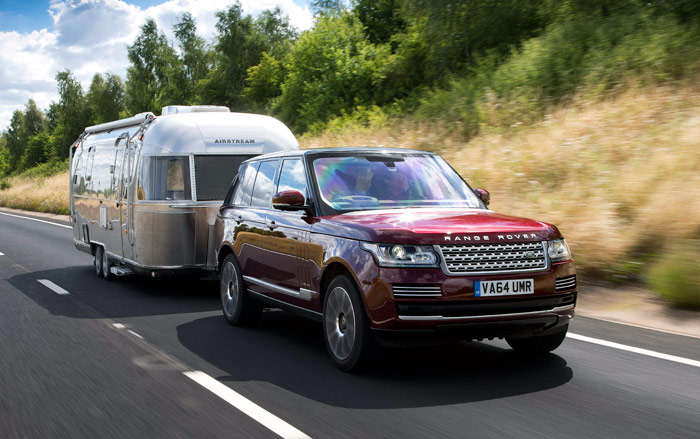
(386,247)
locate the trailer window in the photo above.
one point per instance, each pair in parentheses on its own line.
(214,174)
(164,178)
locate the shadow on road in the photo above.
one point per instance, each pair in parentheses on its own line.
(131,296)
(288,351)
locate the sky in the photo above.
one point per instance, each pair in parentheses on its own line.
(40,38)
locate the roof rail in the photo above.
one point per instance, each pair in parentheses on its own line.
(135,120)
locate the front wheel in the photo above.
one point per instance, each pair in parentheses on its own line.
(538,344)
(239,309)
(346,331)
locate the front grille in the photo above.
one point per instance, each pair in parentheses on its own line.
(490,307)
(565,283)
(515,257)
(416,290)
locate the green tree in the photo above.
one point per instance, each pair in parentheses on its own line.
(72,113)
(15,141)
(382,19)
(332,69)
(105,98)
(38,150)
(156,76)
(195,57)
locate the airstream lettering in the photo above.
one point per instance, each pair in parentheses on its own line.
(145,190)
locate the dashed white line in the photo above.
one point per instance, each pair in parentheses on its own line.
(272,422)
(53,287)
(2,254)
(640,351)
(118,325)
(37,220)
(134,334)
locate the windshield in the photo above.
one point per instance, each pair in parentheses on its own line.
(348,183)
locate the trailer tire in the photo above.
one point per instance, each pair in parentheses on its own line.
(238,308)
(99,259)
(106,267)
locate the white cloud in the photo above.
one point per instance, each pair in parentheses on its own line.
(91,36)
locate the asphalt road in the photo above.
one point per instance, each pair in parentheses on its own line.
(115,359)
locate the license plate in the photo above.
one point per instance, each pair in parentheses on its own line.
(504,287)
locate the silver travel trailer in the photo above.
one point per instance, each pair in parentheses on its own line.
(145,191)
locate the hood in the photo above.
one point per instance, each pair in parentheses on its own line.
(435,226)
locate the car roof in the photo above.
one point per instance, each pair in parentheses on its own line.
(339,150)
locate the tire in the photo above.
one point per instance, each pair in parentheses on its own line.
(106,265)
(346,331)
(99,258)
(238,308)
(538,344)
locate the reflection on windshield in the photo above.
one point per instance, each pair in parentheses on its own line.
(356,183)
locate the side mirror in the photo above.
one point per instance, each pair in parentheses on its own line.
(289,200)
(483,195)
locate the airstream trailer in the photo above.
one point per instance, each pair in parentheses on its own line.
(145,191)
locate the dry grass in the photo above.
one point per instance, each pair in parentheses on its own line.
(40,195)
(620,178)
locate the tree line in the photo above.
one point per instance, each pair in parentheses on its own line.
(428,57)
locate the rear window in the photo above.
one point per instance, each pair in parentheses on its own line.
(214,174)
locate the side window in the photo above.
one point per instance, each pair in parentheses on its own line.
(243,187)
(262,190)
(292,177)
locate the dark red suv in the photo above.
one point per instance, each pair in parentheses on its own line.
(387,246)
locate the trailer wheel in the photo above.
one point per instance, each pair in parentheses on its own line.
(239,309)
(99,259)
(106,267)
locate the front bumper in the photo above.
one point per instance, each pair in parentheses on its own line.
(457,314)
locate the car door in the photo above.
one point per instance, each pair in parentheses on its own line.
(284,234)
(251,215)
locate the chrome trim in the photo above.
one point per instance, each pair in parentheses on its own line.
(515,314)
(447,272)
(417,290)
(302,294)
(266,298)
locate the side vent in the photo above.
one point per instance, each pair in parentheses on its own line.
(416,291)
(565,283)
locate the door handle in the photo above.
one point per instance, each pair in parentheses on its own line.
(239,219)
(272,225)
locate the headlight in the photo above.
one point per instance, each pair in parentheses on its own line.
(388,255)
(558,250)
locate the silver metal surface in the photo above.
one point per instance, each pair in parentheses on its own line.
(168,234)
(514,257)
(339,322)
(303,293)
(514,314)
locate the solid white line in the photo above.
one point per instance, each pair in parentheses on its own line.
(641,351)
(37,220)
(634,325)
(53,287)
(247,406)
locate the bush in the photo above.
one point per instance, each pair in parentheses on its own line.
(676,276)
(4,184)
(47,169)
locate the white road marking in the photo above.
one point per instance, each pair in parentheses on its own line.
(2,254)
(640,351)
(272,422)
(53,287)
(133,333)
(118,325)
(37,220)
